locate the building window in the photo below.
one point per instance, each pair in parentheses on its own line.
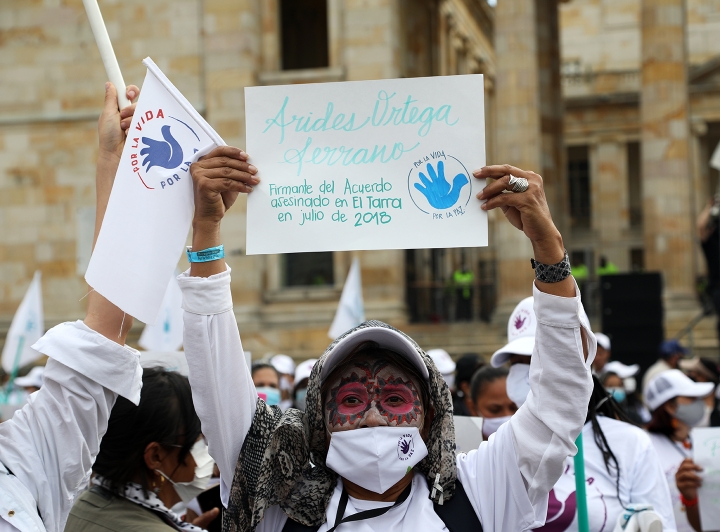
(309,269)
(579,178)
(304,34)
(634,184)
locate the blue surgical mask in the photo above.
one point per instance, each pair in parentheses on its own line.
(270,395)
(300,399)
(618,394)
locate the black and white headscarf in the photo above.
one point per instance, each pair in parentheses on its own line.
(274,466)
(135,493)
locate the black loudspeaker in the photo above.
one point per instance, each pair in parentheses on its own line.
(632,316)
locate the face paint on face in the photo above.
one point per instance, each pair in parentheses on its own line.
(373,393)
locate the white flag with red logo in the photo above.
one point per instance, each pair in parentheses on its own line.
(151,205)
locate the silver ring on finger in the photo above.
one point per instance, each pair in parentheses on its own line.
(518,184)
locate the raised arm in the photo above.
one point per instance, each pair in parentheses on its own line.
(525,457)
(51,443)
(223,392)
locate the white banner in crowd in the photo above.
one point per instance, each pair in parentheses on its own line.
(166,334)
(351,309)
(151,206)
(366,165)
(706,454)
(26,328)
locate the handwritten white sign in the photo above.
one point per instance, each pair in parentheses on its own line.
(366,165)
(706,454)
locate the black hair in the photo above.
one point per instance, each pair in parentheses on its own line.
(373,350)
(661,421)
(165,415)
(466,367)
(602,403)
(483,377)
(257,366)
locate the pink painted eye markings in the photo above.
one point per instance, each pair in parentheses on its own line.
(394,398)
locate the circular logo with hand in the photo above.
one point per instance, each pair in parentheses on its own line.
(440,185)
(406,447)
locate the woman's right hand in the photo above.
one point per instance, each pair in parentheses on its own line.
(687,479)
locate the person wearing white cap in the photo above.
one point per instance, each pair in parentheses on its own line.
(302,374)
(677,406)
(621,466)
(619,380)
(603,353)
(286,368)
(375,448)
(33,381)
(445,365)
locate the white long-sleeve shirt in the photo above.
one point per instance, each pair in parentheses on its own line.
(507,479)
(48,447)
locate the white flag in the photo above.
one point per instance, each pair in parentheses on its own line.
(151,205)
(167,333)
(715,159)
(26,328)
(351,310)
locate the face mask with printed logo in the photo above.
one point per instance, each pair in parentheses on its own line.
(375,458)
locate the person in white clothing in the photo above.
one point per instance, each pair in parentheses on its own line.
(48,447)
(375,448)
(621,466)
(677,406)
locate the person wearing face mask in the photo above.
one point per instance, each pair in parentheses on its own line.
(152,457)
(285,366)
(374,449)
(677,405)
(615,379)
(267,383)
(302,373)
(705,370)
(489,393)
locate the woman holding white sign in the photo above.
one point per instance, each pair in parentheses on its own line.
(375,448)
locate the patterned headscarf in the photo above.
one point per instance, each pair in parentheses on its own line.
(274,466)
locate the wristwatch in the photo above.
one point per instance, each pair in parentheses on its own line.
(552,273)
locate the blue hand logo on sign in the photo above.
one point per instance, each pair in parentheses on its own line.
(439,193)
(165,154)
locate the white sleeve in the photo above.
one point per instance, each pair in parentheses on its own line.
(509,477)
(649,485)
(51,443)
(222,388)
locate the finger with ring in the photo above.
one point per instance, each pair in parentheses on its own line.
(518,184)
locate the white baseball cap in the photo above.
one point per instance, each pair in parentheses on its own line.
(302,370)
(34,378)
(620,369)
(283,364)
(521,333)
(386,336)
(443,361)
(674,383)
(603,341)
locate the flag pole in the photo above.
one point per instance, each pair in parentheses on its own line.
(15,368)
(106,50)
(581,495)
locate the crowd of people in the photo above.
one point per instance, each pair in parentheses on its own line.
(361,438)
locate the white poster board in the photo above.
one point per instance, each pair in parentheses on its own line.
(706,454)
(366,165)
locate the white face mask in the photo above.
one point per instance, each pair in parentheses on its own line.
(491,424)
(375,458)
(518,383)
(204,463)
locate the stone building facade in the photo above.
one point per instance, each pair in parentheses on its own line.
(563,91)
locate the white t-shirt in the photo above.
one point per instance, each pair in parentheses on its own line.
(641,481)
(671,455)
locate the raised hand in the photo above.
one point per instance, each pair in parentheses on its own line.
(113,124)
(439,193)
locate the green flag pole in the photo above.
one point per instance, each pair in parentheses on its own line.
(580,494)
(15,368)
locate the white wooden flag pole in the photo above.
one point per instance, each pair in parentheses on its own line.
(106,50)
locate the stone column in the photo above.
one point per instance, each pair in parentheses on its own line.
(528,126)
(666,170)
(610,209)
